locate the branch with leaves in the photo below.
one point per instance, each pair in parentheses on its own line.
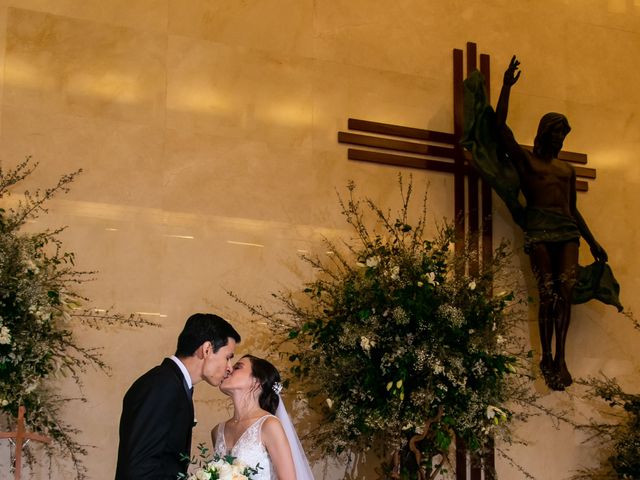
(618,439)
(388,340)
(39,304)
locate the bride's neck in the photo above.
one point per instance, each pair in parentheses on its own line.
(244,408)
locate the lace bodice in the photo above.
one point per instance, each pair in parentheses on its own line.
(248,448)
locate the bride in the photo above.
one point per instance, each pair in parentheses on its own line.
(260,431)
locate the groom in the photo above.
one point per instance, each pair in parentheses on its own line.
(157,411)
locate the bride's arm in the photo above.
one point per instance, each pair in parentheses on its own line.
(214,434)
(276,443)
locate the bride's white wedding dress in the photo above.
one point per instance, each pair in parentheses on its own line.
(249,449)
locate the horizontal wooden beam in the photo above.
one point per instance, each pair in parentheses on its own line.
(400,131)
(400,160)
(421,163)
(573,157)
(584,172)
(396,145)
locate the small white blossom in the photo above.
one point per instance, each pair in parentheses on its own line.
(451,313)
(329,402)
(472,285)
(431,278)
(5,336)
(495,412)
(366,344)
(395,272)
(202,475)
(373,262)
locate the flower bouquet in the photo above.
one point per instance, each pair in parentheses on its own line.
(220,467)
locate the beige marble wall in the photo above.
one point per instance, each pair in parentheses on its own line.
(207,134)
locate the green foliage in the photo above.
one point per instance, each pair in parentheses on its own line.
(619,439)
(393,342)
(39,304)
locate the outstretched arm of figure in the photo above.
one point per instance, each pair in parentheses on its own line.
(597,251)
(276,443)
(511,76)
(514,151)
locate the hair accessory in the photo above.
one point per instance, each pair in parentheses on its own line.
(277,387)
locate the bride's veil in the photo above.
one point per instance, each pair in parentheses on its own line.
(303,470)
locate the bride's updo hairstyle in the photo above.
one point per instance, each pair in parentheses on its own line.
(268,376)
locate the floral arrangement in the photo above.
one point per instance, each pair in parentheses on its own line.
(618,440)
(38,306)
(219,467)
(398,348)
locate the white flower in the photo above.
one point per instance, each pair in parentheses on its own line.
(238,465)
(329,402)
(472,285)
(420,284)
(431,278)
(366,344)
(5,336)
(31,267)
(452,314)
(373,262)
(4,402)
(225,471)
(395,272)
(496,414)
(202,475)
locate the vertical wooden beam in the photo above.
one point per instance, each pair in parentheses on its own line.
(461,459)
(487,234)
(473,180)
(476,469)
(472,57)
(490,460)
(20,433)
(486,195)
(459,174)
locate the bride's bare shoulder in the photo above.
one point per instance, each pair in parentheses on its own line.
(272,428)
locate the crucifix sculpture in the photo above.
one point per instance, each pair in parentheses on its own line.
(21,437)
(442,152)
(540,193)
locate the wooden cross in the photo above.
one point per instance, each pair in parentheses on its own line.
(441,152)
(21,437)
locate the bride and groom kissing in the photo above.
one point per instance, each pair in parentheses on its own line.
(158,416)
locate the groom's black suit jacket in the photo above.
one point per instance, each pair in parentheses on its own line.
(155,427)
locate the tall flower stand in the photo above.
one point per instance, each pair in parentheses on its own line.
(21,437)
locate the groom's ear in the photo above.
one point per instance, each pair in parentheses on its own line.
(205,349)
(201,351)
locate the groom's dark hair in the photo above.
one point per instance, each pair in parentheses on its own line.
(204,327)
